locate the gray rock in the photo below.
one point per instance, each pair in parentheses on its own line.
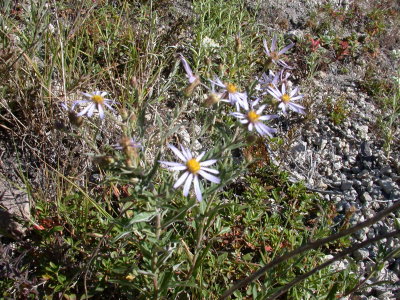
(328,171)
(387,185)
(299,147)
(386,170)
(351,159)
(365,149)
(361,254)
(366,197)
(357,185)
(337,165)
(16,204)
(395,195)
(363,174)
(362,131)
(371,234)
(346,185)
(361,234)
(367,164)
(321,143)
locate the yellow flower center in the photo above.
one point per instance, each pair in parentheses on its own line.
(231,88)
(285,98)
(253,116)
(98,99)
(274,55)
(193,166)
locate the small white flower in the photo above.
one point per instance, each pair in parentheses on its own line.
(210,43)
(274,54)
(193,168)
(253,118)
(396,53)
(95,100)
(272,79)
(231,94)
(286,99)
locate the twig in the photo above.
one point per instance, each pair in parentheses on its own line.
(312,245)
(342,254)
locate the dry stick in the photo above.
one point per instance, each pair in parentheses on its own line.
(342,254)
(361,283)
(312,245)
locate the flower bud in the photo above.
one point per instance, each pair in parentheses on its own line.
(238,44)
(189,90)
(75,119)
(134,82)
(104,160)
(221,68)
(251,139)
(212,99)
(124,113)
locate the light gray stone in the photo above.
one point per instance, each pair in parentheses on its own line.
(361,254)
(16,204)
(346,185)
(387,185)
(366,197)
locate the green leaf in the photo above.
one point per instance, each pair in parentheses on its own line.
(165,282)
(332,292)
(142,217)
(56,229)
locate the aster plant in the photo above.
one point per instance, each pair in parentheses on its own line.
(286,99)
(253,119)
(95,101)
(274,55)
(231,94)
(193,168)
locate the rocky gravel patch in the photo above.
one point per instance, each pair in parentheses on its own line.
(345,161)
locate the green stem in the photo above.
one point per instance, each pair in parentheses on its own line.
(154,260)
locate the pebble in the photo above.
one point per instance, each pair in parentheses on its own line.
(365,149)
(337,165)
(299,147)
(363,174)
(346,185)
(366,197)
(361,234)
(387,185)
(395,195)
(386,170)
(362,131)
(361,254)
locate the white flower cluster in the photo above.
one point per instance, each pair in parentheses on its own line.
(274,84)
